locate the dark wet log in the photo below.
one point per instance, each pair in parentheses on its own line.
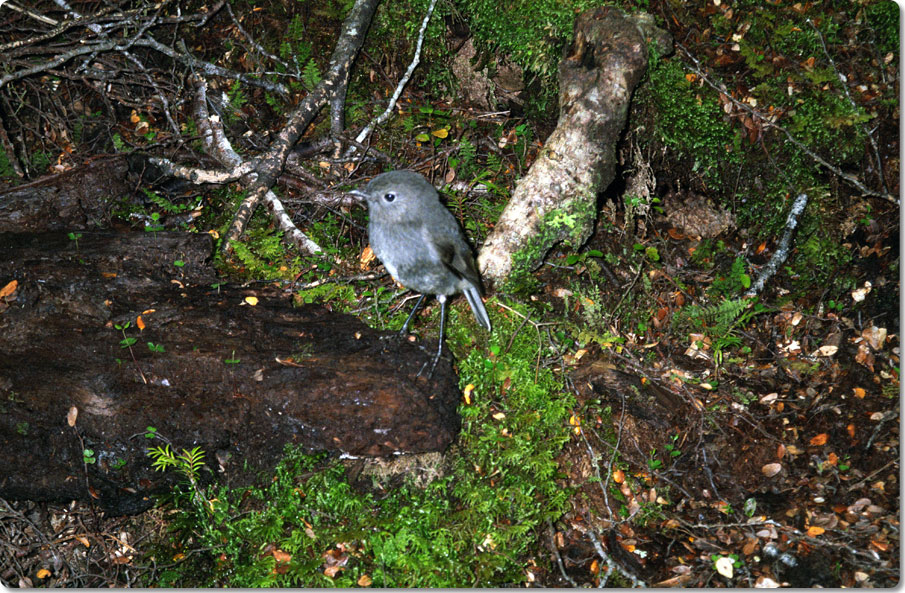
(300,375)
(82,198)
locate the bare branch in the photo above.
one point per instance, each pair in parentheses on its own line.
(782,250)
(405,78)
(272,163)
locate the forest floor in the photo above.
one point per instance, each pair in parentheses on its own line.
(714,442)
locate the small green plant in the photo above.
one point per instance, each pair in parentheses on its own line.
(311,75)
(154,225)
(168,206)
(156,347)
(232,359)
(653,463)
(127,341)
(575,258)
(187,462)
(720,322)
(735,282)
(75,237)
(750,507)
(179,263)
(119,463)
(22,428)
(88,457)
(671,449)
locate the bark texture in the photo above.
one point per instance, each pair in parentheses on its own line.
(556,200)
(204,366)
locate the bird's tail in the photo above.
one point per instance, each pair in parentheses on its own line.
(473,295)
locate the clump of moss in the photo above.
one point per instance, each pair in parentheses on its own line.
(689,120)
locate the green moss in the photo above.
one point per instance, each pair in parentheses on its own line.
(532,33)
(690,121)
(883,18)
(475,526)
(570,224)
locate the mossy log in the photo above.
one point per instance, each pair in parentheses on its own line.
(557,199)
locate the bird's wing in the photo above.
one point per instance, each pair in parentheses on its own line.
(456,256)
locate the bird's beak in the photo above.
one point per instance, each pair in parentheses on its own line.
(359,194)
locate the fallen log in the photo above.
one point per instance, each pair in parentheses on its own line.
(203,367)
(557,199)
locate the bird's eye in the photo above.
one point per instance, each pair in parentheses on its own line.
(389,197)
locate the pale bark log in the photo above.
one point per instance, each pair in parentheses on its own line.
(556,200)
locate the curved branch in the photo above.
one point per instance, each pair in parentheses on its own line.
(350,41)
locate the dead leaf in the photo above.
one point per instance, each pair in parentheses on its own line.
(769,398)
(43,573)
(819,440)
(335,561)
(618,476)
(875,336)
(828,350)
(724,566)
(366,257)
(83,540)
(467,393)
(140,323)
(771,469)
(814,530)
(750,547)
(859,392)
(364,581)
(9,289)
(860,294)
(864,356)
(281,556)
(72,416)
(765,583)
(251,300)
(441,133)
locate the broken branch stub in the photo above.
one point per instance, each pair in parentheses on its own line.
(557,199)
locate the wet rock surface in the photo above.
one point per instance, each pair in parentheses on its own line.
(240,381)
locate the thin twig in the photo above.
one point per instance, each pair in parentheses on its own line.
(404,81)
(844,81)
(551,532)
(613,566)
(782,250)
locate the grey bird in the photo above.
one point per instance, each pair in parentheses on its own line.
(421,244)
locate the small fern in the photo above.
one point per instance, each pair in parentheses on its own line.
(168,206)
(311,75)
(720,322)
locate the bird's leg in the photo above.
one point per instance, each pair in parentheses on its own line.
(405,326)
(442,299)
